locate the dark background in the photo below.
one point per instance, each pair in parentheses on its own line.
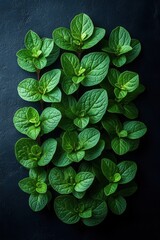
(142,19)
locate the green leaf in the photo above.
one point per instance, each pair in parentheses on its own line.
(83,181)
(68,85)
(28,90)
(119,61)
(86,214)
(130,111)
(78,195)
(120,94)
(110,188)
(24,54)
(38,174)
(97,35)
(129,190)
(113,75)
(49,118)
(96,65)
(70,141)
(135,129)
(136,48)
(120,145)
(40,63)
(117,204)
(125,49)
(112,124)
(127,170)
(23,153)
(26,121)
(61,160)
(53,96)
(63,39)
(95,152)
(27,185)
(119,37)
(70,64)
(38,201)
(109,168)
(81,27)
(32,41)
(88,138)
(53,55)
(26,64)
(47,46)
(128,81)
(81,122)
(114,107)
(76,156)
(49,81)
(99,211)
(62,179)
(41,187)
(66,209)
(48,149)
(93,103)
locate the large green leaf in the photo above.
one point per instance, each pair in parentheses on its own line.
(47,46)
(62,179)
(93,103)
(66,209)
(27,185)
(97,35)
(70,64)
(136,48)
(81,27)
(95,152)
(63,38)
(83,181)
(28,90)
(120,145)
(135,129)
(128,81)
(118,38)
(32,41)
(109,169)
(38,201)
(127,170)
(96,65)
(49,118)
(117,204)
(26,121)
(88,138)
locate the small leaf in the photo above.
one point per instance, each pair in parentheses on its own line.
(49,81)
(40,63)
(81,122)
(95,152)
(119,61)
(136,48)
(26,64)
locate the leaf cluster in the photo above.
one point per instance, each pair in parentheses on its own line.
(91,120)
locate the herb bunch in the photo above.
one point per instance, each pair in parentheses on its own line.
(88,105)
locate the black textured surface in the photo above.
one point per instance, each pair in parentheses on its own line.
(142,19)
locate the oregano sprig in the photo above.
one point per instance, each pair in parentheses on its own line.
(87,105)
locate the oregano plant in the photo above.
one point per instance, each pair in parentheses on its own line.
(87,106)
